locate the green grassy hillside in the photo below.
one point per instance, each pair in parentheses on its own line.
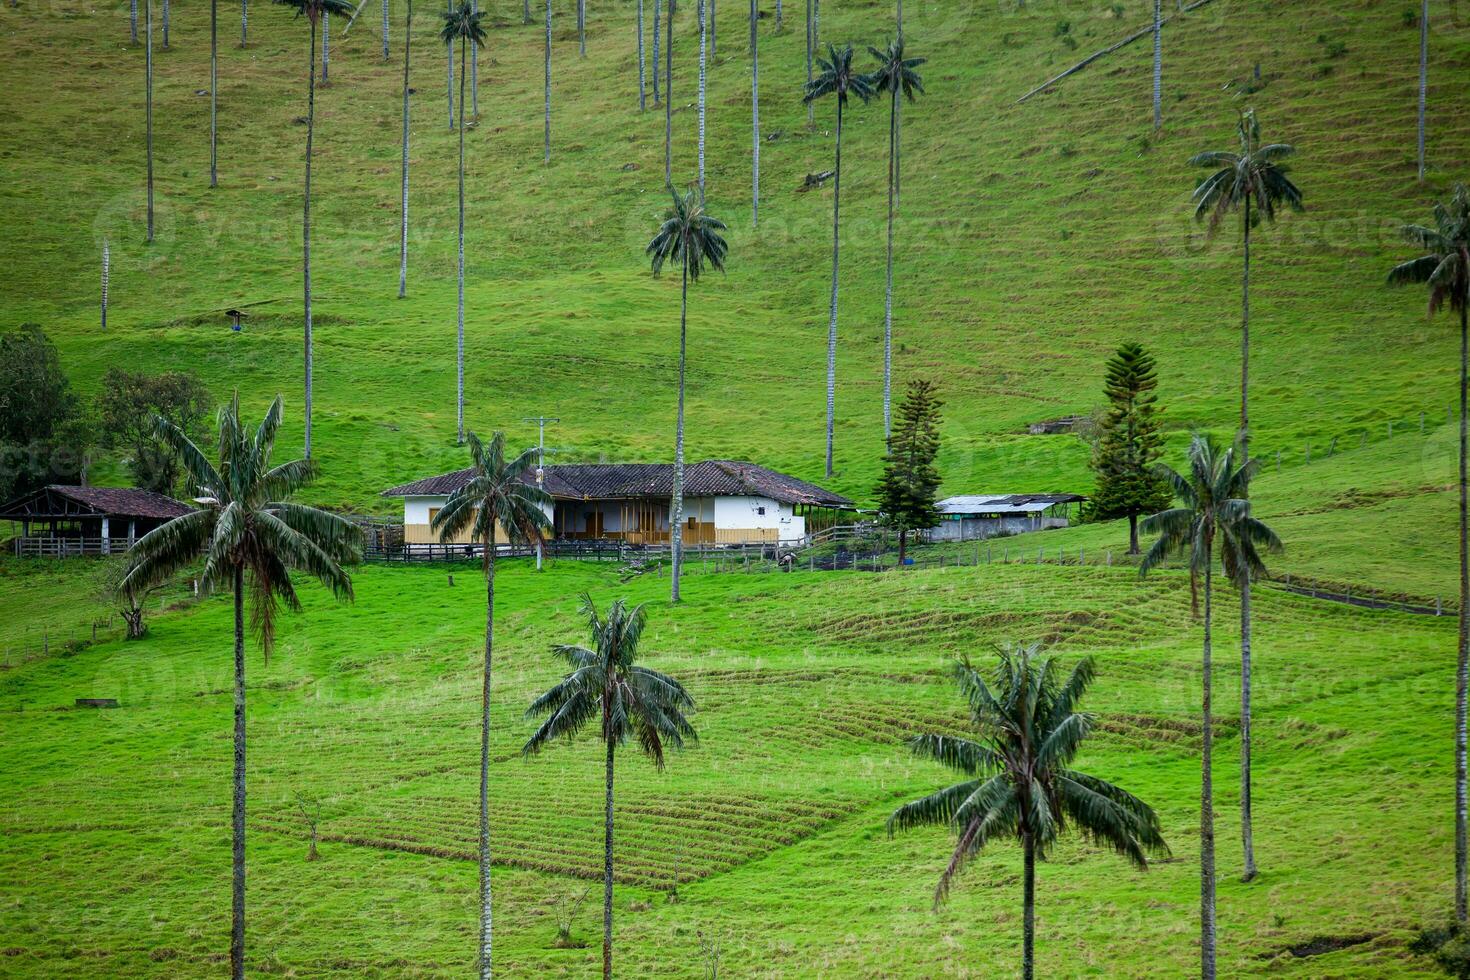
(116,822)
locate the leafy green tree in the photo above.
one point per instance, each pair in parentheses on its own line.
(839,78)
(896,76)
(313,11)
(1445,269)
(497,499)
(127,409)
(1129,443)
(690,237)
(37,407)
(1019,781)
(604,684)
(462,24)
(1215,515)
(1252,175)
(251,537)
(910,483)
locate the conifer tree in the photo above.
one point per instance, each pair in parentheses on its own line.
(910,482)
(1129,442)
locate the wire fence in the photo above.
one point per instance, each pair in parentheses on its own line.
(22,643)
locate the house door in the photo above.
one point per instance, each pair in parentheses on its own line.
(594,523)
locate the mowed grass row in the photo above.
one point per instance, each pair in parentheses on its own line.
(115,823)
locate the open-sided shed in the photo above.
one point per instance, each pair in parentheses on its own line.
(60,521)
(992,515)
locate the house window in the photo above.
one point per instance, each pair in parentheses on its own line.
(761,511)
(693,522)
(433,513)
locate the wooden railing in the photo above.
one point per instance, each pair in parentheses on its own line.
(56,547)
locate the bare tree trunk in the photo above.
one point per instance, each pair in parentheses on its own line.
(669,97)
(486,931)
(306,220)
(1207,797)
(832,314)
(888,288)
(1158,63)
(525,11)
(213,89)
(755,116)
(237,809)
(1133,548)
(403,196)
(449,87)
(547,136)
(642,66)
(148,108)
(657,4)
(1028,907)
(459,328)
(1462,684)
(1423,77)
(1246,830)
(607,868)
(676,510)
(703,43)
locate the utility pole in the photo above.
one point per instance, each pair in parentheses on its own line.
(541,423)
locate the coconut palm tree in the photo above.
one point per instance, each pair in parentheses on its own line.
(498,499)
(628,701)
(1214,514)
(313,11)
(839,78)
(755,116)
(547,157)
(251,538)
(403,195)
(690,237)
(1446,271)
(148,102)
(461,24)
(1423,77)
(1018,776)
(896,76)
(1252,175)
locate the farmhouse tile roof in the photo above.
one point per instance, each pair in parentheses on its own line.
(601,481)
(109,501)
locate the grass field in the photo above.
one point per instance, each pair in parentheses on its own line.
(116,822)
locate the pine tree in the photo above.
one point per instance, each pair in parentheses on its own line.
(1129,442)
(910,482)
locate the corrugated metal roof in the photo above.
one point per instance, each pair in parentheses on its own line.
(1005,503)
(602,481)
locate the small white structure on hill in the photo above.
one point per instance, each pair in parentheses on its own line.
(982,516)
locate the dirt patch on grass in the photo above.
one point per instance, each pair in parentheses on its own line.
(1318,945)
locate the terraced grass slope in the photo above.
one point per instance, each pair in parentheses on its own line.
(115,823)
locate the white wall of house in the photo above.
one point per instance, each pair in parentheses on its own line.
(725,513)
(760,513)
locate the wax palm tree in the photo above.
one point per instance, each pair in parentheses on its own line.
(839,78)
(810,54)
(165,25)
(642,64)
(547,156)
(896,76)
(213,89)
(461,24)
(755,116)
(1215,514)
(669,96)
(703,44)
(1252,175)
(1446,271)
(1019,777)
(133,19)
(385,30)
(690,237)
(497,499)
(148,102)
(251,539)
(313,11)
(244,22)
(657,4)
(628,701)
(582,28)
(1423,77)
(403,196)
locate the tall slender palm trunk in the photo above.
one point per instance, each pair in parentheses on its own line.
(607,867)
(525,11)
(1158,63)
(1207,792)
(810,47)
(385,30)
(703,50)
(780,17)
(713,37)
(1028,908)
(546,158)
(1247,837)
(832,314)
(474,77)
(403,195)
(449,85)
(755,116)
(1423,77)
(657,5)
(676,510)
(133,20)
(306,219)
(165,24)
(213,89)
(237,807)
(669,97)
(459,327)
(486,931)
(1462,672)
(582,28)
(106,275)
(888,288)
(642,65)
(244,22)
(326,47)
(148,101)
